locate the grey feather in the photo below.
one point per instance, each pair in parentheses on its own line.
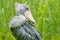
(22,29)
(17,21)
(26,32)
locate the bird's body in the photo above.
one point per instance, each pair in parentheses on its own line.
(20,25)
(17,21)
(26,32)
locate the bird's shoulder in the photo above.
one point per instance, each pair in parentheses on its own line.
(17,21)
(19,17)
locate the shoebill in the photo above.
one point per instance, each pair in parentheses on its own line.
(22,25)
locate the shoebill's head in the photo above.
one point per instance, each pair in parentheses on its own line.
(23,9)
(19,9)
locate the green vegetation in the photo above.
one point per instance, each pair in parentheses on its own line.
(45,12)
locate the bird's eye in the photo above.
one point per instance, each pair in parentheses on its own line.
(26,8)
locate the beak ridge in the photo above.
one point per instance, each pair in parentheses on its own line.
(29,17)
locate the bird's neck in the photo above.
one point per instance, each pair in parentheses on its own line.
(19,14)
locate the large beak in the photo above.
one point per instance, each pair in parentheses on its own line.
(29,17)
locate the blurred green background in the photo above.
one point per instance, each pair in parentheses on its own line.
(45,12)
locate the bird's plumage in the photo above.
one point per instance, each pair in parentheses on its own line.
(26,32)
(20,27)
(17,21)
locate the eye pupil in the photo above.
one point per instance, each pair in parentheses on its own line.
(27,9)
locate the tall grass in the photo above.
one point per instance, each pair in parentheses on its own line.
(45,12)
